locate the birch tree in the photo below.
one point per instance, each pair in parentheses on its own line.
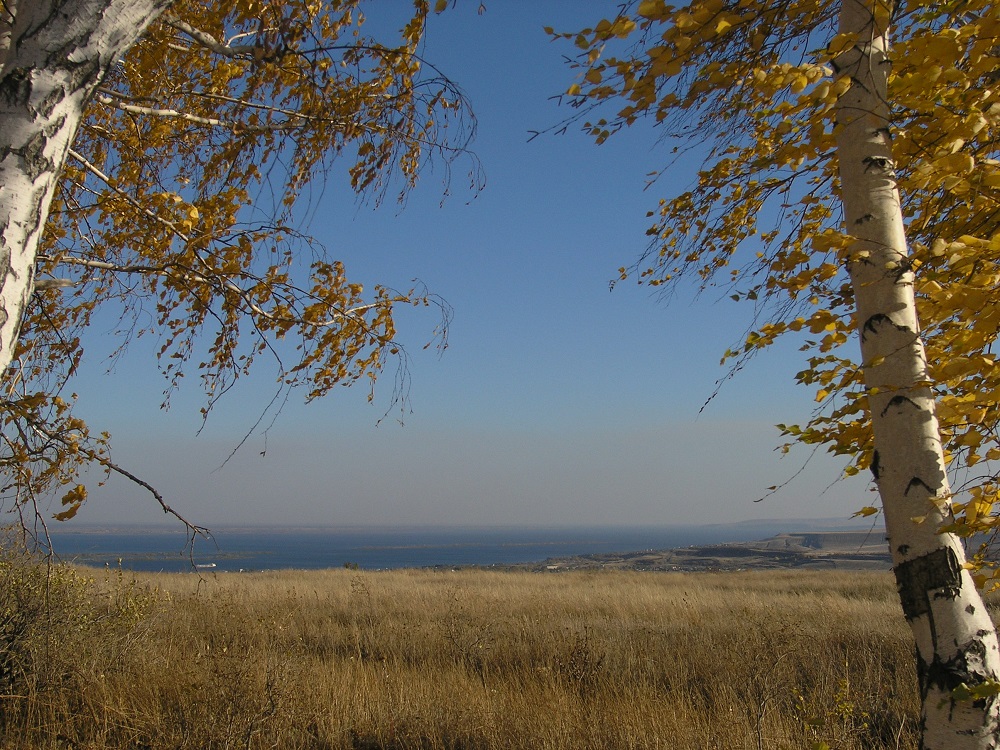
(849,186)
(153,156)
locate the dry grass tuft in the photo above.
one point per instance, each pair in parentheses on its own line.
(340,659)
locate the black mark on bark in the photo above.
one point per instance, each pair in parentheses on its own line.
(50,102)
(898,402)
(860,84)
(54,126)
(946,675)
(876,321)
(35,161)
(882,163)
(937,571)
(84,74)
(875,467)
(15,88)
(918,482)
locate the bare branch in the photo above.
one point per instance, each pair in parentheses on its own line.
(169,510)
(111,99)
(208,41)
(110,465)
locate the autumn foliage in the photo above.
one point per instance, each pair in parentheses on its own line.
(758,82)
(179,213)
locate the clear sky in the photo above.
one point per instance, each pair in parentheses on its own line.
(558,401)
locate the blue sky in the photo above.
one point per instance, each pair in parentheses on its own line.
(558,401)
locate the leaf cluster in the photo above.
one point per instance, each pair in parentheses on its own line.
(751,86)
(178,209)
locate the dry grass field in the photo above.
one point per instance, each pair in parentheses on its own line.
(463,660)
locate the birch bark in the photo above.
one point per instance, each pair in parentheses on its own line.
(955,639)
(53,53)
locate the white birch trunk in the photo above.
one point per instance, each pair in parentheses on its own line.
(52,57)
(955,639)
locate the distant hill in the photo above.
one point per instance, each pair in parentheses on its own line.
(841,550)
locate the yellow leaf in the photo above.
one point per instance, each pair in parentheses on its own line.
(868,510)
(840,43)
(652,8)
(961,163)
(685,21)
(623,27)
(664,65)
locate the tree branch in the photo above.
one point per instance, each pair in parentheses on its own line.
(132,201)
(112,99)
(237,51)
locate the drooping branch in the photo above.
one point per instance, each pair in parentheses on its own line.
(174,270)
(164,202)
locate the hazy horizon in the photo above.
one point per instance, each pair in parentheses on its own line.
(558,398)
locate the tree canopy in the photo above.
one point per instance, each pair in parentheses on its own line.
(757,82)
(178,213)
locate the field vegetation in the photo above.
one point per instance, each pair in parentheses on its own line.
(346,659)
